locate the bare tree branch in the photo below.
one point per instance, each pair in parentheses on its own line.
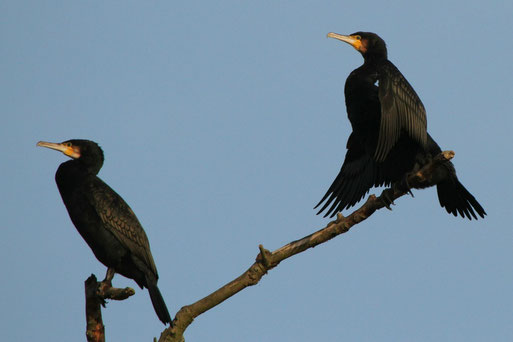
(267,260)
(95,294)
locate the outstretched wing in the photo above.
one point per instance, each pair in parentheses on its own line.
(358,174)
(121,221)
(401,110)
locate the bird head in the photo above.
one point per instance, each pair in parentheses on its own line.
(66,147)
(367,43)
(86,151)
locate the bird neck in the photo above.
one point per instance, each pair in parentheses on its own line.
(74,171)
(374,59)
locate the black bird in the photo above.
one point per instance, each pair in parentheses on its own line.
(389,138)
(104,220)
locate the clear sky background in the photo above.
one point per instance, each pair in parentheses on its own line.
(223,123)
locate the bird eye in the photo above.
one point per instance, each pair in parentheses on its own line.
(68,144)
(358,37)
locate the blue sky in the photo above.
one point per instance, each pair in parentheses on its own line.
(223,124)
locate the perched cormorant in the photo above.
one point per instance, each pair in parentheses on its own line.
(104,220)
(389,138)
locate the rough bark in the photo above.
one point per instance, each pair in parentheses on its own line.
(95,294)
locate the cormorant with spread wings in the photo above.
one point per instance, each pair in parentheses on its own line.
(389,138)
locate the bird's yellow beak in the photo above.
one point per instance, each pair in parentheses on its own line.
(351,40)
(66,148)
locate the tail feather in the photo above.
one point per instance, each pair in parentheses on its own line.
(457,200)
(158,303)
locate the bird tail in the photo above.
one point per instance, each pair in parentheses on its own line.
(158,303)
(457,200)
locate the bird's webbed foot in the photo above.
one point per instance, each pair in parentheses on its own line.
(109,276)
(403,186)
(105,285)
(398,188)
(387,197)
(106,291)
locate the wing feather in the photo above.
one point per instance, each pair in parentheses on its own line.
(401,111)
(358,174)
(121,221)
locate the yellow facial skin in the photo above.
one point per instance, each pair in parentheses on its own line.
(66,147)
(355,41)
